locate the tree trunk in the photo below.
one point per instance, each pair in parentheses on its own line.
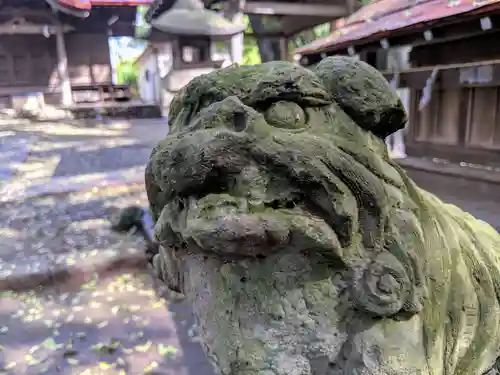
(269,49)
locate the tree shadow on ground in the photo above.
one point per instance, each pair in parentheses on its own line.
(195,362)
(101,159)
(56,227)
(64,149)
(65,226)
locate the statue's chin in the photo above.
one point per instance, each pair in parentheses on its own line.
(232,226)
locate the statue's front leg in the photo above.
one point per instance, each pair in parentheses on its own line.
(268,317)
(216,315)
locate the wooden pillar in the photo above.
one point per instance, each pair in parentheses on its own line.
(284,51)
(157,80)
(62,67)
(350,7)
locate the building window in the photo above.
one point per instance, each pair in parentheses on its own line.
(147,75)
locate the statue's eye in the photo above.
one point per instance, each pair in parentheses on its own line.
(287,115)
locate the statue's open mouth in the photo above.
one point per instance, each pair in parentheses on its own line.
(238,215)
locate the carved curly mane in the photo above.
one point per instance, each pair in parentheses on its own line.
(452,260)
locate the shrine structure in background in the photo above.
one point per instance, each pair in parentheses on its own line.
(452,72)
(181,41)
(59,48)
(273,23)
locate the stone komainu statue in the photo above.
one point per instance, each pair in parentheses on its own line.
(303,248)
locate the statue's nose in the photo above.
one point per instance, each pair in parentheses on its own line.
(229,113)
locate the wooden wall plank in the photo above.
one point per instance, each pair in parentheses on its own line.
(446,130)
(88,59)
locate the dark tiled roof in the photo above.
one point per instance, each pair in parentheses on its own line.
(385,17)
(87,4)
(120,2)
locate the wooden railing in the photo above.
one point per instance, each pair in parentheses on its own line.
(481,73)
(101,93)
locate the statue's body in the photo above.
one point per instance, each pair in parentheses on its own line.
(304,249)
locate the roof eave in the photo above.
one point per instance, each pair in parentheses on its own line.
(333,48)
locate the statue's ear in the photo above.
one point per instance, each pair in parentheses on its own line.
(363,93)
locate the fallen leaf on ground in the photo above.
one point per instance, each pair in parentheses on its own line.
(110,348)
(50,343)
(167,351)
(102,324)
(144,347)
(149,368)
(105,365)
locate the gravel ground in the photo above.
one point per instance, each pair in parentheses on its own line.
(66,228)
(64,149)
(116,326)
(14,150)
(121,324)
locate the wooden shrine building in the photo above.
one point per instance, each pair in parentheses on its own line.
(59,47)
(453,70)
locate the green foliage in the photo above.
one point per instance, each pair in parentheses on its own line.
(141,26)
(251,55)
(309,36)
(126,72)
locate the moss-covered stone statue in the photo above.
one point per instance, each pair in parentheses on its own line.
(303,247)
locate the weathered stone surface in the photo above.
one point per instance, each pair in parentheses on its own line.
(304,249)
(364,94)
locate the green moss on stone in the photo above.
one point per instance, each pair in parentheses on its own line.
(303,247)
